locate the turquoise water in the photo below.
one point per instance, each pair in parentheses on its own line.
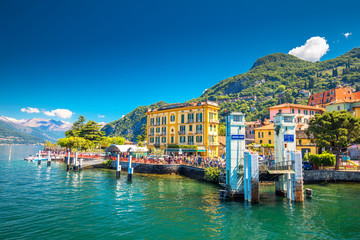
(40,202)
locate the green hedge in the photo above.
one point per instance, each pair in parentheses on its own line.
(324,159)
(212,174)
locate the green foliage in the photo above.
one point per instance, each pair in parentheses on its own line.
(132,124)
(323,159)
(211,174)
(107,141)
(75,143)
(107,163)
(221,129)
(335,130)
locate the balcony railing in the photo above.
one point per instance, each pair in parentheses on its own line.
(151,134)
(214,144)
(214,120)
(199,131)
(163,133)
(190,121)
(181,132)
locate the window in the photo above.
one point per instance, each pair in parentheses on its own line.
(182,128)
(260,141)
(182,139)
(163,120)
(172,118)
(157,140)
(190,139)
(190,128)
(269,141)
(299,111)
(152,121)
(338,108)
(292,110)
(269,133)
(172,139)
(191,118)
(237,118)
(258,134)
(199,117)
(163,130)
(151,139)
(157,130)
(210,128)
(199,139)
(182,118)
(158,121)
(163,139)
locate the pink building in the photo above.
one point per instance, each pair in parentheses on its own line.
(303,113)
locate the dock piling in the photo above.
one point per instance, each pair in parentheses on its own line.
(39,159)
(130,169)
(49,159)
(68,161)
(118,167)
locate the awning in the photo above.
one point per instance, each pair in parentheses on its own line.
(125,148)
(182,149)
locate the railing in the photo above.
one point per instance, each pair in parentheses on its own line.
(163,133)
(190,121)
(199,131)
(282,166)
(181,132)
(214,120)
(151,134)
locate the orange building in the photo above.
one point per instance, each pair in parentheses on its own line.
(336,94)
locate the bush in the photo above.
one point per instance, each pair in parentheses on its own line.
(212,174)
(324,159)
(107,163)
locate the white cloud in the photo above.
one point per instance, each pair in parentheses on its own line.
(122,116)
(30,110)
(101,116)
(312,50)
(61,113)
(347,34)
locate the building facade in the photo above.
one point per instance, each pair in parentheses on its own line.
(265,134)
(194,124)
(303,113)
(336,94)
(305,144)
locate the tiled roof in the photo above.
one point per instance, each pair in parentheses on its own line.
(286,105)
(266,127)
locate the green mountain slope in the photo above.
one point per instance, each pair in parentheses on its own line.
(132,124)
(273,79)
(12,135)
(279,78)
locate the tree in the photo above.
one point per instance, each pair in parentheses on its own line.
(335,131)
(221,129)
(91,131)
(76,128)
(75,143)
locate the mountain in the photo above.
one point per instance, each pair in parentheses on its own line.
(273,79)
(39,129)
(132,124)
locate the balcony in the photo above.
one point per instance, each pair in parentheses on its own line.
(199,132)
(214,120)
(214,144)
(190,121)
(163,133)
(181,132)
(151,134)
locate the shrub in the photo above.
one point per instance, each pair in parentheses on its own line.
(107,163)
(324,159)
(212,174)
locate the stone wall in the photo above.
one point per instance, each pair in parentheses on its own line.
(315,176)
(187,171)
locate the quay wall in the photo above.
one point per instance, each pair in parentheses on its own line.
(316,176)
(184,170)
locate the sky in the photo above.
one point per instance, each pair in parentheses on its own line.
(102,59)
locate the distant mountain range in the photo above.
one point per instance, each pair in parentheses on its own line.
(31,131)
(273,79)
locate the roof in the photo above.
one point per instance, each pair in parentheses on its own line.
(291,105)
(356,106)
(186,104)
(125,148)
(300,134)
(342,101)
(266,127)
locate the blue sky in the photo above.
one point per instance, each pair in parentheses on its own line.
(102,59)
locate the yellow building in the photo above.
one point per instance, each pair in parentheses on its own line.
(265,134)
(184,124)
(305,144)
(357,110)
